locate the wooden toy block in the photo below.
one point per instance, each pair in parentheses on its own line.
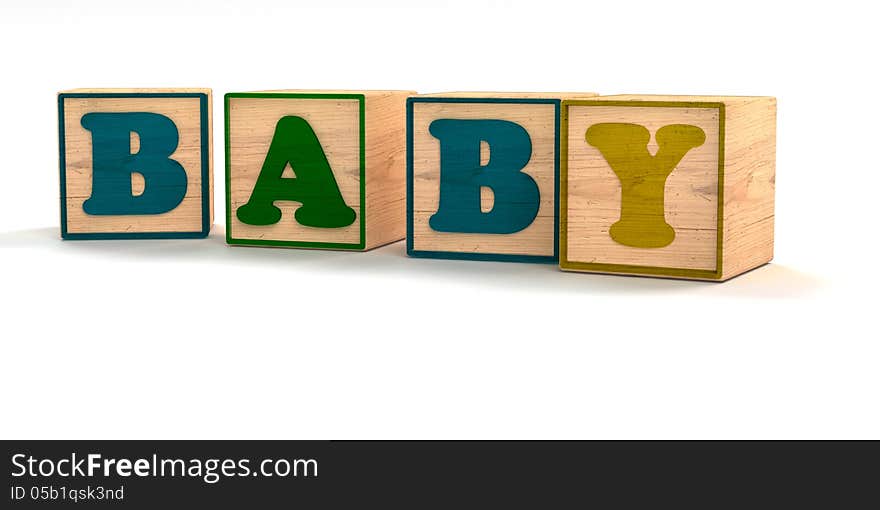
(670,186)
(315,169)
(135,163)
(482,175)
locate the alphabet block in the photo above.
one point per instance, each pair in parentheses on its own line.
(315,169)
(670,186)
(482,175)
(135,163)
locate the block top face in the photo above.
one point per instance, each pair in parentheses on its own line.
(642,186)
(366,93)
(134,163)
(730,100)
(129,90)
(295,169)
(481,176)
(513,95)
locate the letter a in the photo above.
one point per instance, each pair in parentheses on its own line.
(517,198)
(314,187)
(113,164)
(642,176)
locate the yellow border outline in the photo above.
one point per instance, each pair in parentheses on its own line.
(674,272)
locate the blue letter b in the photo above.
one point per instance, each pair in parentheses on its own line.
(517,198)
(113,164)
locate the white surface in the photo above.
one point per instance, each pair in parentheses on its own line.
(194,339)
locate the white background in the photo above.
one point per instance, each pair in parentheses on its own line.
(194,339)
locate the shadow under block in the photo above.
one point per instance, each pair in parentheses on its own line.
(316,169)
(671,186)
(135,163)
(482,173)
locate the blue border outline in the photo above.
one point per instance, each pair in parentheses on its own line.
(498,257)
(205,136)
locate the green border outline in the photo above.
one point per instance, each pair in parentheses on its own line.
(565,263)
(205,142)
(361,245)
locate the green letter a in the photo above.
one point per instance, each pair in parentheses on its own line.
(314,187)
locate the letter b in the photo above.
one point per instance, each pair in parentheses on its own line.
(517,198)
(113,164)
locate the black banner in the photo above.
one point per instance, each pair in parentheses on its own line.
(416,474)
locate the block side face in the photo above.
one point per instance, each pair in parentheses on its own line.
(656,209)
(178,125)
(308,191)
(532,239)
(385,168)
(749,186)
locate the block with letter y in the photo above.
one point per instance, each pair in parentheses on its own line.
(315,169)
(482,175)
(135,163)
(673,186)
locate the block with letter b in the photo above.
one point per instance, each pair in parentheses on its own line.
(674,186)
(135,163)
(315,169)
(482,175)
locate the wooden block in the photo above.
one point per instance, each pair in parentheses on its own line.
(670,186)
(482,173)
(135,163)
(315,169)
